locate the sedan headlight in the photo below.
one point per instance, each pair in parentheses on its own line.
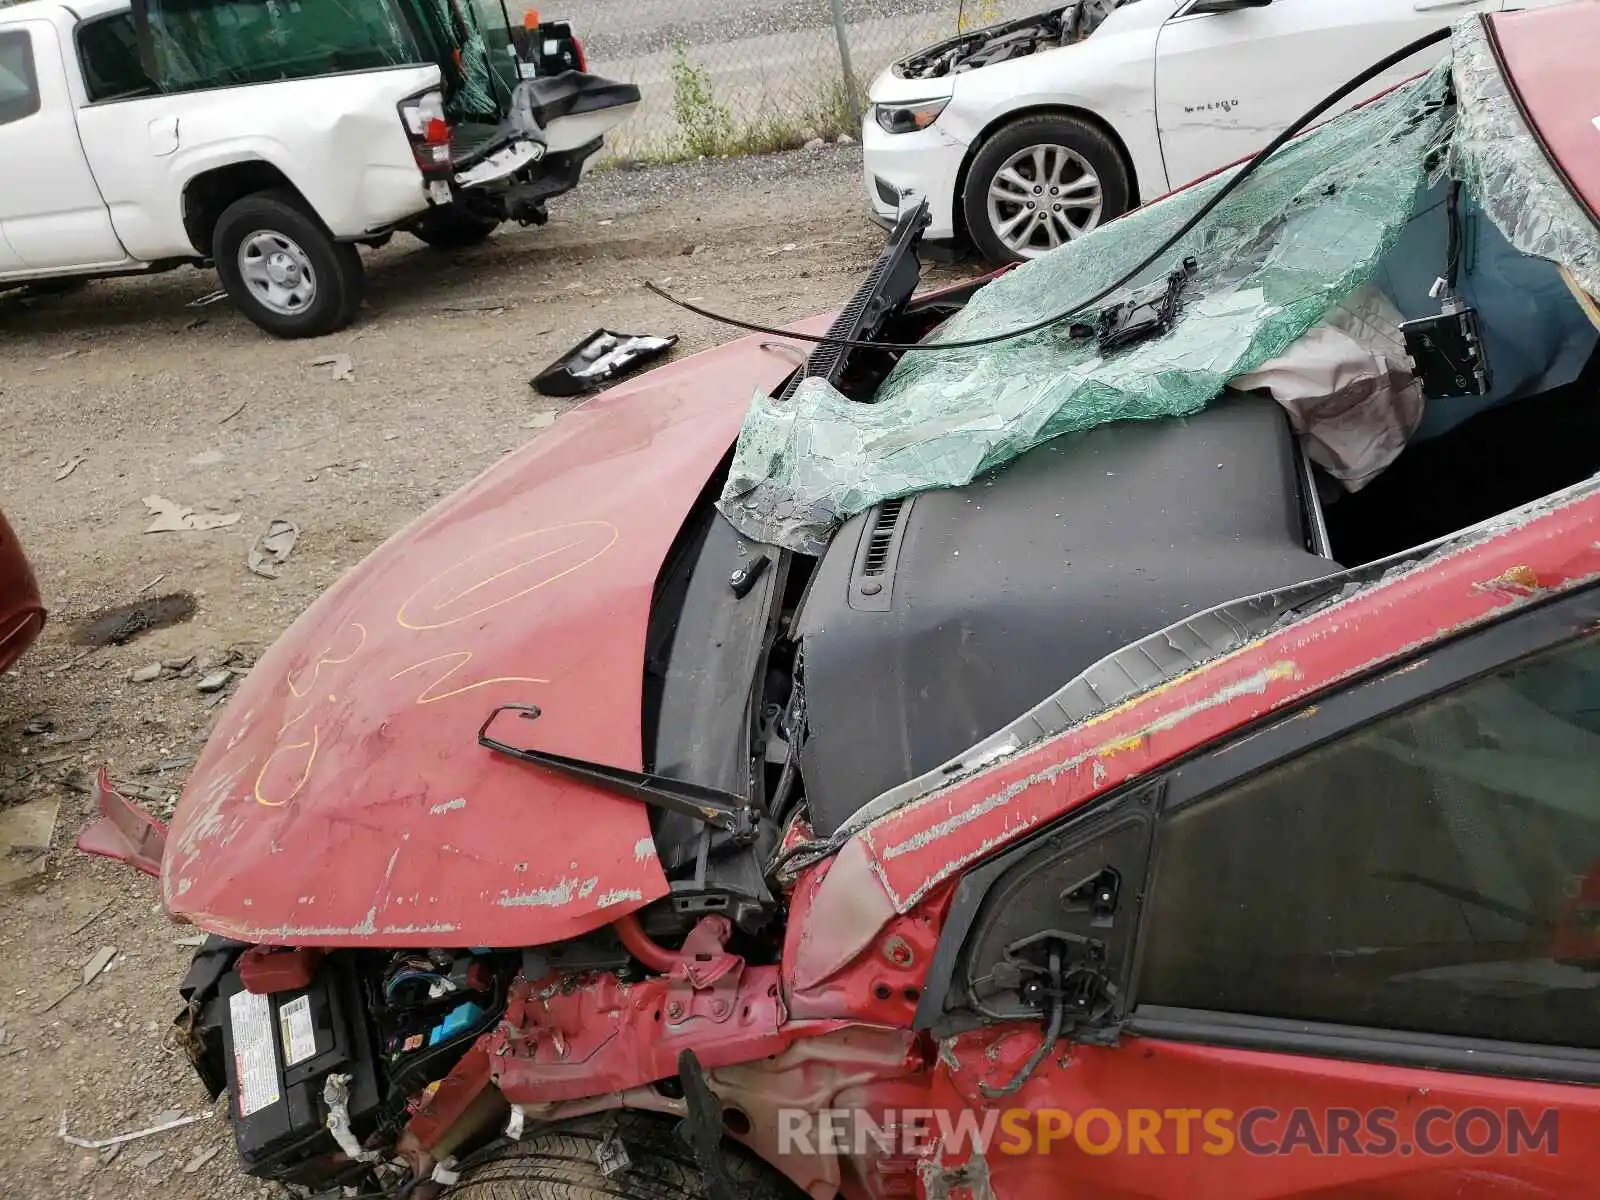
(908,118)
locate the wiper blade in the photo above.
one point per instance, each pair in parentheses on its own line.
(884,293)
(726,811)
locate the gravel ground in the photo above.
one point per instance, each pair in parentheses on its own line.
(198,406)
(613,29)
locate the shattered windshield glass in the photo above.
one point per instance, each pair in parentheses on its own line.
(1271,262)
(221,43)
(1508,170)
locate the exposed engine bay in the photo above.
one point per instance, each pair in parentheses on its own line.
(324,1056)
(1010,39)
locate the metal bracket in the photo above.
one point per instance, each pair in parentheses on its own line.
(705,982)
(731,813)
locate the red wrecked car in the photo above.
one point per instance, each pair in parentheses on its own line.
(21,612)
(1201,805)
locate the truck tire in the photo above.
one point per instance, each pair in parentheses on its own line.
(451,229)
(1011,215)
(284,269)
(561,1162)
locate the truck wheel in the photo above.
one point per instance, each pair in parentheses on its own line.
(451,229)
(1039,183)
(283,269)
(562,1162)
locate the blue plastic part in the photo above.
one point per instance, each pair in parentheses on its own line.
(457,1020)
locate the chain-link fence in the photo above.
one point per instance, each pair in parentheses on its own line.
(755,75)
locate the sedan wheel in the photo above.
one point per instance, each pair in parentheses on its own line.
(1040,182)
(1043,196)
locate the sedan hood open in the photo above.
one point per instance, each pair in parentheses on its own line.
(343,798)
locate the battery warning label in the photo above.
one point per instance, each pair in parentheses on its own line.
(299,1035)
(255,1063)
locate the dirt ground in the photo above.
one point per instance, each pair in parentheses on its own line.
(196,405)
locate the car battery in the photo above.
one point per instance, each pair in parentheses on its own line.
(279,1051)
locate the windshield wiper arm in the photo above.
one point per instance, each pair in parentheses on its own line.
(727,811)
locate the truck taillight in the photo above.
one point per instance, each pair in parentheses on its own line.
(424,119)
(433,157)
(583,59)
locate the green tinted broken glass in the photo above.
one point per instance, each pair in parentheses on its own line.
(1300,235)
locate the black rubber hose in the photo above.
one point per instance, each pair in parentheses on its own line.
(1361,80)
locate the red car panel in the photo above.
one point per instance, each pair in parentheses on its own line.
(1179,1121)
(21,612)
(1549,61)
(344,797)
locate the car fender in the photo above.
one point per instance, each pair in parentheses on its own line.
(1109,78)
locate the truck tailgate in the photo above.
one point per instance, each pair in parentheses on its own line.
(561,113)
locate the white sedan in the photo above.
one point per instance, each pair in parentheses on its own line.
(1030,133)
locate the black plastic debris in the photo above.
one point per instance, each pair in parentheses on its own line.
(597,360)
(117,626)
(1150,313)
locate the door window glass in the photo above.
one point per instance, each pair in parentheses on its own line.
(109,51)
(19,86)
(1437,871)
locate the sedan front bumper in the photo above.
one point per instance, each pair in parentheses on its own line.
(925,164)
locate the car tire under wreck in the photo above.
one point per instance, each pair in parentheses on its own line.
(622,1154)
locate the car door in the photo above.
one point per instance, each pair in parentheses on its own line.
(1353,954)
(51,210)
(1230,77)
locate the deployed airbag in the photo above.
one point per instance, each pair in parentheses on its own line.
(1348,388)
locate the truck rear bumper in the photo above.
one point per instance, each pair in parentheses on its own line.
(563,114)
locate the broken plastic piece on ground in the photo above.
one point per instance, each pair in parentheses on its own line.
(124,831)
(119,625)
(168,516)
(343,367)
(598,359)
(159,1127)
(25,834)
(101,960)
(272,548)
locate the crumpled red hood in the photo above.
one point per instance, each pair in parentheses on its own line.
(343,798)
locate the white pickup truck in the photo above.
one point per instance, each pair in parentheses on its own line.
(271,138)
